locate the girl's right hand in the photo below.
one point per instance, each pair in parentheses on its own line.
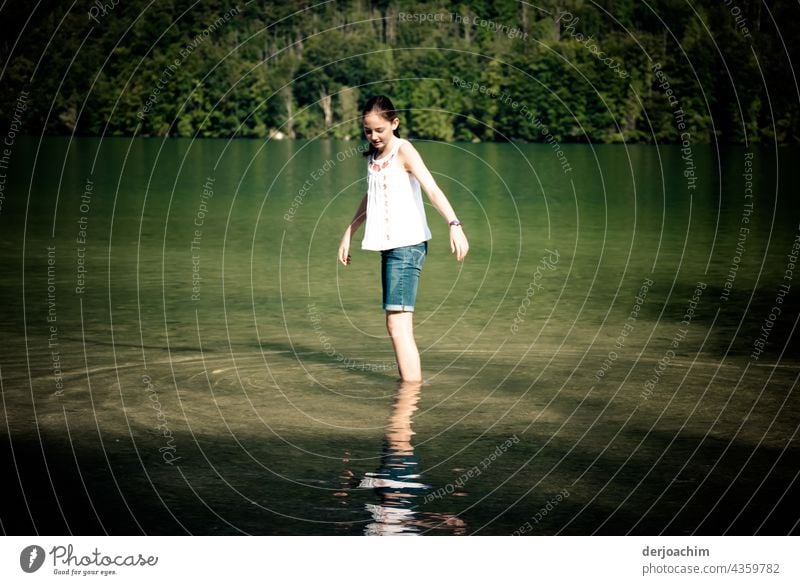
(344,249)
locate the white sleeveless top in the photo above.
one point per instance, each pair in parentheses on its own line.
(395,213)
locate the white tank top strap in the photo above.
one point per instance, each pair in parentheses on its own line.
(398,143)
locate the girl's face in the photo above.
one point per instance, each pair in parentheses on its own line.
(379,130)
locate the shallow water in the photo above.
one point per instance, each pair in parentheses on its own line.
(593,367)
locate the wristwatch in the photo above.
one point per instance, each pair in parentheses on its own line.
(455,222)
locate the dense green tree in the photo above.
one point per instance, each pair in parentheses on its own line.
(602,71)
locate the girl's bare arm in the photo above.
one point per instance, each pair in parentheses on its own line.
(413,163)
(358,219)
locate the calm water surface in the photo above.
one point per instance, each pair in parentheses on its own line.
(183,354)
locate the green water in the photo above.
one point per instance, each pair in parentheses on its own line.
(199,363)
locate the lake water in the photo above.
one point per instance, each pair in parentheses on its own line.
(183,354)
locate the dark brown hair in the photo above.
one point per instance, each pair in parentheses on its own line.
(383,106)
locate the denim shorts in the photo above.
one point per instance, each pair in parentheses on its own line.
(400,270)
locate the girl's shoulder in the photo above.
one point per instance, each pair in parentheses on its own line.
(406,151)
(405,146)
(401,142)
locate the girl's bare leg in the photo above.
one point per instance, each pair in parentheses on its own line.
(400,326)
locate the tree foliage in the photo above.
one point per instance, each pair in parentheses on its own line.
(585,70)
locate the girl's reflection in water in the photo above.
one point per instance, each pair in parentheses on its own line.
(398,481)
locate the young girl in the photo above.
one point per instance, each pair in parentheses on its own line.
(396,225)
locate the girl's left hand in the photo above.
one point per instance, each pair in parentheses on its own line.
(458,242)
